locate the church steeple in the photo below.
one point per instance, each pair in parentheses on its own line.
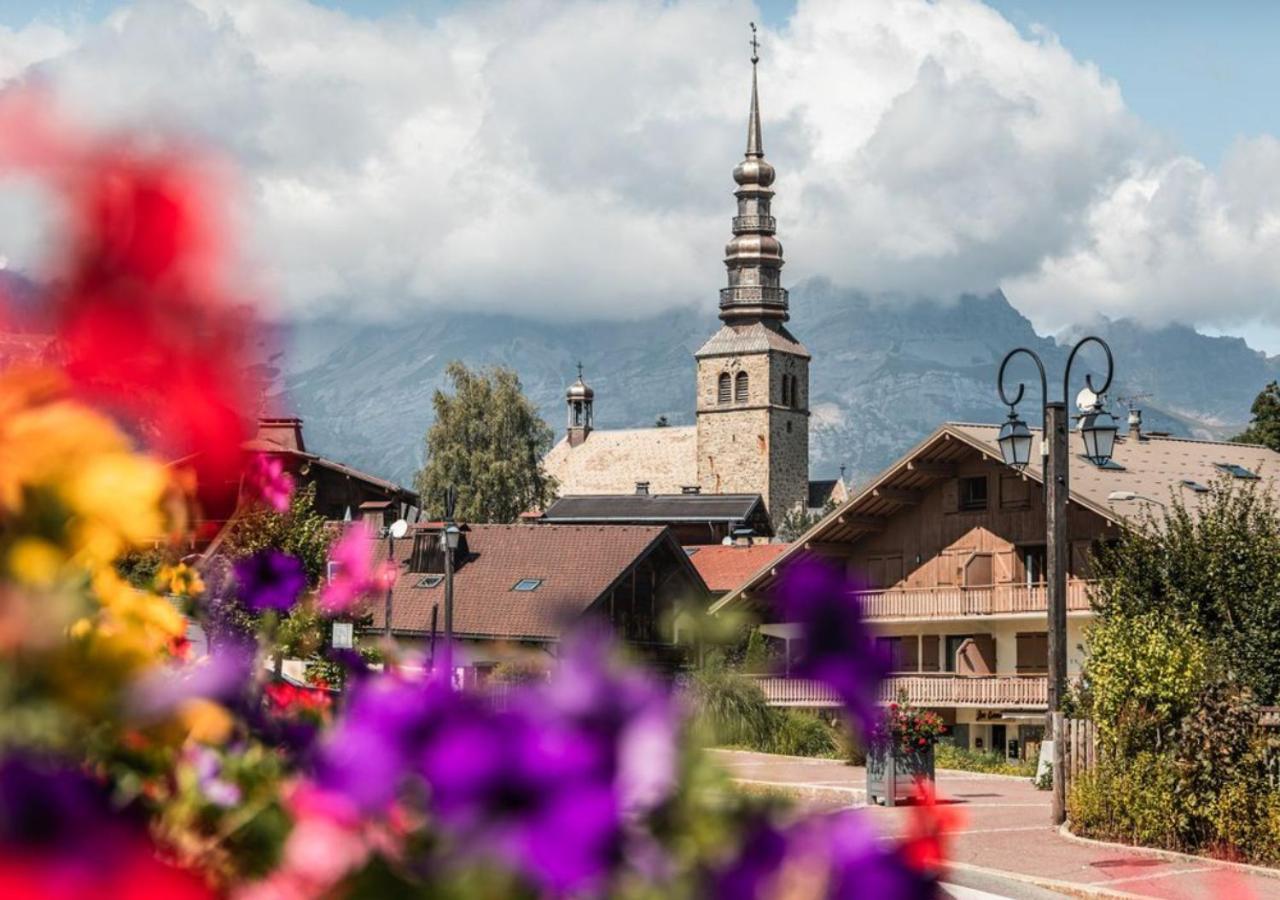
(754,256)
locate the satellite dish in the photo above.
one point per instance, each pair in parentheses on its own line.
(399,528)
(1086,400)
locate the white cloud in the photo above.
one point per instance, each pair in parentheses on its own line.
(571,158)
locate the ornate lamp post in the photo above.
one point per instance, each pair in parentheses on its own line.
(1098,433)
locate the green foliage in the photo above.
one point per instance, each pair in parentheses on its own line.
(1215,571)
(1264,427)
(948,756)
(1145,673)
(731,711)
(798,732)
(760,656)
(799,520)
(487,441)
(1129,799)
(300,532)
(519,671)
(139,567)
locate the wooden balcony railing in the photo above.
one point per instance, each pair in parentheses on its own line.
(956,602)
(1006,691)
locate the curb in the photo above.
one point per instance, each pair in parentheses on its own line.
(1171,855)
(1070,888)
(807,759)
(851,796)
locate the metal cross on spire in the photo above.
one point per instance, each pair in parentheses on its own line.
(579,371)
(755,45)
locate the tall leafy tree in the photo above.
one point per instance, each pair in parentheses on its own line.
(487,442)
(1264,428)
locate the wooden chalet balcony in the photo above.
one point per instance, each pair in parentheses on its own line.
(1002,691)
(957,602)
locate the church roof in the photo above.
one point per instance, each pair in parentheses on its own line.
(732,340)
(611,462)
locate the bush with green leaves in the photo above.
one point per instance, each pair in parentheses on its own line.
(948,756)
(731,711)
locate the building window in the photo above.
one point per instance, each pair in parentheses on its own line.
(1034,563)
(1033,653)
(527,584)
(740,388)
(725,392)
(786,390)
(973,493)
(795,392)
(430,581)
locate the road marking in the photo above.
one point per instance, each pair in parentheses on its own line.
(960,892)
(982,831)
(801,785)
(1156,875)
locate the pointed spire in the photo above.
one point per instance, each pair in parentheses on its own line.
(755,144)
(754,255)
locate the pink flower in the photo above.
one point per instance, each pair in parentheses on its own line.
(354,574)
(266,480)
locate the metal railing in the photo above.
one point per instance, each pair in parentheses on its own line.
(957,602)
(754,223)
(752,294)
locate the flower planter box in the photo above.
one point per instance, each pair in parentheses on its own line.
(892,774)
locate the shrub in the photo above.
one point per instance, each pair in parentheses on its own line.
(949,756)
(729,709)
(1133,801)
(799,733)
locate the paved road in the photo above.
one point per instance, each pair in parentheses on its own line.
(1003,830)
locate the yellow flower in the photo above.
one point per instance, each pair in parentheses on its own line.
(181,580)
(35,562)
(115,500)
(206,721)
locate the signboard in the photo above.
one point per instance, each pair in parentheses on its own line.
(343,635)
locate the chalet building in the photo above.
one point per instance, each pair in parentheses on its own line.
(694,518)
(948,545)
(751,431)
(342,492)
(519,588)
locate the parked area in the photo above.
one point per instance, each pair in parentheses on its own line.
(1002,827)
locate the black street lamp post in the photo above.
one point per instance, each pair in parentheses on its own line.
(449,540)
(1098,433)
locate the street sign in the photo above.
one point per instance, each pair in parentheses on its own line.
(343,635)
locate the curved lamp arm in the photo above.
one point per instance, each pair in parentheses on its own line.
(1088,378)
(1017,398)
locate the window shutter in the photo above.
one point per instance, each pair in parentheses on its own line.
(723,395)
(929,653)
(1033,652)
(908,654)
(740,388)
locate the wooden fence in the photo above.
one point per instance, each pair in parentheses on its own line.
(1080,748)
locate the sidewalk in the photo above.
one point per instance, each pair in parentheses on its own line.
(1005,828)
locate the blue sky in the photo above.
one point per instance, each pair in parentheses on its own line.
(1201,73)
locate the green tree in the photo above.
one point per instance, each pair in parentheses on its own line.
(1264,428)
(487,441)
(300,532)
(1212,572)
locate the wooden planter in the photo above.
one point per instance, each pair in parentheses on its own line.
(892,774)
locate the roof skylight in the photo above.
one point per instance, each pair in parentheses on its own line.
(1236,471)
(1195,486)
(429,581)
(1110,465)
(527,584)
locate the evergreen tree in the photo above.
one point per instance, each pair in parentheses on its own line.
(487,441)
(1265,426)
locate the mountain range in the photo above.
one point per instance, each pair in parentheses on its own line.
(885,372)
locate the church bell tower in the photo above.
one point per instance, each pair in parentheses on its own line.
(753,375)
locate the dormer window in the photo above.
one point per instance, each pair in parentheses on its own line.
(740,388)
(725,391)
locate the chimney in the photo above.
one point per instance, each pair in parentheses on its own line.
(1135,423)
(642,487)
(283,430)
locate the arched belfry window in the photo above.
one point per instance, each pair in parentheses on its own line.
(786,390)
(740,388)
(725,392)
(795,392)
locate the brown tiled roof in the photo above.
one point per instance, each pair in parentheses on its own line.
(724,568)
(1155,468)
(611,462)
(576,564)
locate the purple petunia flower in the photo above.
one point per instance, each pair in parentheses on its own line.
(270,579)
(837,647)
(837,856)
(547,784)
